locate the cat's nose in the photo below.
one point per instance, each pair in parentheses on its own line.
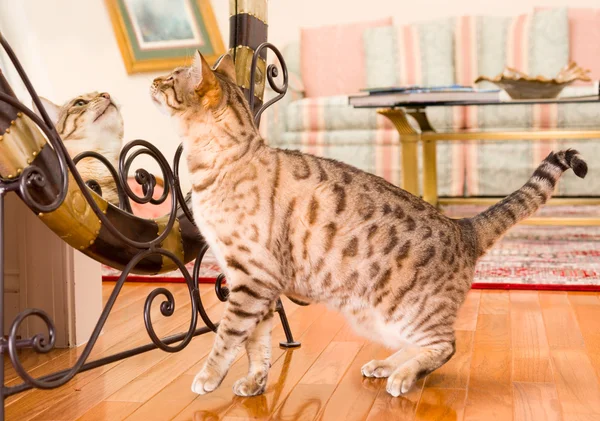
(105,95)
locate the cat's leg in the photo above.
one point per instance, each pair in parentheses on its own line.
(427,359)
(258,349)
(248,304)
(383,368)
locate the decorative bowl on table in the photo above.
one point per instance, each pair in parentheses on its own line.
(519,85)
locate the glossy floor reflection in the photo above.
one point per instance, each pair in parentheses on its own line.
(520,355)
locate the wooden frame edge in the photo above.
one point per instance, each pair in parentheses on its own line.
(154,65)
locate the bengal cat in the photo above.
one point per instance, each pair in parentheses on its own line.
(91,122)
(285,222)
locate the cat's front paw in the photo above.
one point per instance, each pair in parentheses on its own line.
(377,368)
(251,385)
(401,381)
(206,381)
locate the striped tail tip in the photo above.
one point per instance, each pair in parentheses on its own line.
(575,162)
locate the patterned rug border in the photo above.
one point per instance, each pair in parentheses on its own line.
(476,285)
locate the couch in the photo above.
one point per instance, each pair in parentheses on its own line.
(329,63)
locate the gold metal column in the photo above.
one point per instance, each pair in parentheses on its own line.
(409,138)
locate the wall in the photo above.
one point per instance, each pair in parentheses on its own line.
(68,46)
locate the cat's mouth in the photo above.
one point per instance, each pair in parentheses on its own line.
(105,110)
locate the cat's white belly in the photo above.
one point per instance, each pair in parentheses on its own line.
(376,329)
(209,235)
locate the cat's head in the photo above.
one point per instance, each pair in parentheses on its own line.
(92,115)
(208,93)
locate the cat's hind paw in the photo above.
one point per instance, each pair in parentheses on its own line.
(205,382)
(378,368)
(251,385)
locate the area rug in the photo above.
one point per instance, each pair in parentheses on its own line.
(528,257)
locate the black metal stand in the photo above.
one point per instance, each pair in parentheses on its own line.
(33,181)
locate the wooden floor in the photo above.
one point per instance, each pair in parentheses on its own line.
(520,355)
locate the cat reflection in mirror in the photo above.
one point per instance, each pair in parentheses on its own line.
(91,122)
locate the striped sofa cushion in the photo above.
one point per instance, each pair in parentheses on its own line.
(419,54)
(584,40)
(537,44)
(333,58)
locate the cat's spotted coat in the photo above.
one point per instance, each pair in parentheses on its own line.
(284,222)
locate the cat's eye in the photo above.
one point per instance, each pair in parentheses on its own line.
(80,102)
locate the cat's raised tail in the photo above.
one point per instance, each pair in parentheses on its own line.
(492,223)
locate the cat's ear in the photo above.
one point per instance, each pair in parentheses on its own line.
(51,108)
(226,67)
(202,74)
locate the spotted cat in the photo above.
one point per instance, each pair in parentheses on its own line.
(91,122)
(285,222)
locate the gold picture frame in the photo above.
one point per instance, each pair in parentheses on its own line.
(145,51)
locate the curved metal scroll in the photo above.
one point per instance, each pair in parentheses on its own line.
(35,164)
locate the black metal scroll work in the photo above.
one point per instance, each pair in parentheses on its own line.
(272,73)
(44,184)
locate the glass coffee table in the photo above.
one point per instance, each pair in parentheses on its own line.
(425,133)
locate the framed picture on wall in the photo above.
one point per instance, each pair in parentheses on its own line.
(163,34)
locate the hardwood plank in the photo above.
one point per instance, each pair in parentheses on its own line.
(113,411)
(355,394)
(331,365)
(455,373)
(60,402)
(467,315)
(531,353)
(441,404)
(386,407)
(150,382)
(493,332)
(494,302)
(536,401)
(315,340)
(311,394)
(30,360)
(163,406)
(76,404)
(523,356)
(129,304)
(490,390)
(587,313)
(562,329)
(576,382)
(287,371)
(347,334)
(305,402)
(145,386)
(579,417)
(168,402)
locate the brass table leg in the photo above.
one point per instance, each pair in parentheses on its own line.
(409,138)
(430,192)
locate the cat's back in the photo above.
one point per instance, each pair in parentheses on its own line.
(353,195)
